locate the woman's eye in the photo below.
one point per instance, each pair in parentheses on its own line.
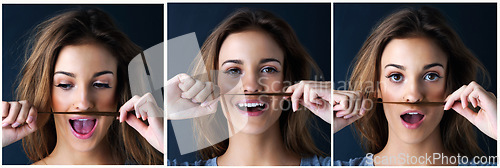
(269,70)
(101,85)
(233,71)
(396,77)
(431,77)
(64,86)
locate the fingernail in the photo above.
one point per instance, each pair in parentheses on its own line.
(203,104)
(16,124)
(347,116)
(5,124)
(29,120)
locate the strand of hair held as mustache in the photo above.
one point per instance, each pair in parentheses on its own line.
(94,113)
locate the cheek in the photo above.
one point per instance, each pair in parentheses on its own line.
(106,100)
(272,84)
(61,101)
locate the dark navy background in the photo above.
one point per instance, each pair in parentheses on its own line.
(311,23)
(476,24)
(143,24)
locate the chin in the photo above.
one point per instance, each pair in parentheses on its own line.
(253,125)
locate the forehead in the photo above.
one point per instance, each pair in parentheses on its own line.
(85,58)
(416,51)
(250,45)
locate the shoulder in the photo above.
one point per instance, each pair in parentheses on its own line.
(359,161)
(316,161)
(472,163)
(209,162)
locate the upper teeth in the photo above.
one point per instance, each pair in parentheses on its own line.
(250,104)
(414,113)
(82,119)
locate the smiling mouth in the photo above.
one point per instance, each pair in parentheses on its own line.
(83,128)
(252,107)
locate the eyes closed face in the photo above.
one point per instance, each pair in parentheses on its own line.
(413,70)
(85,79)
(250,62)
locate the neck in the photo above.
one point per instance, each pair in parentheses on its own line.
(64,154)
(398,152)
(262,149)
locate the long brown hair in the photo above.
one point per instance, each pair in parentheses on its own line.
(72,28)
(298,65)
(457,133)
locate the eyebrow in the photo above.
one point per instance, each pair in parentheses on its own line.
(269,60)
(260,62)
(73,75)
(433,65)
(233,61)
(428,66)
(396,66)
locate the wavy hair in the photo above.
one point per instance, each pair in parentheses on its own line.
(457,132)
(49,37)
(298,65)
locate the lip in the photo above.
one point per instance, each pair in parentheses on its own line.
(252,113)
(83,136)
(414,125)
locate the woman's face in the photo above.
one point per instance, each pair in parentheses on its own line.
(250,62)
(85,79)
(413,70)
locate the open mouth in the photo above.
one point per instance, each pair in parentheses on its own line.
(412,120)
(83,128)
(252,108)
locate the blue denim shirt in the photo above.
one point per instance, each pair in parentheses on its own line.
(309,161)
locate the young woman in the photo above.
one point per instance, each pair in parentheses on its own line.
(254,52)
(413,57)
(77,62)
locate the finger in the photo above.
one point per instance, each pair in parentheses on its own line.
(296,95)
(5,109)
(465,93)
(306,97)
(194,90)
(212,96)
(467,113)
(351,102)
(15,108)
(23,113)
(185,82)
(340,102)
(450,100)
(137,124)
(128,106)
(473,98)
(204,93)
(25,130)
(357,106)
(32,115)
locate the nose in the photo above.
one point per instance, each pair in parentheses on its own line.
(83,100)
(250,82)
(413,91)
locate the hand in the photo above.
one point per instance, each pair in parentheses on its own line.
(146,109)
(486,119)
(190,98)
(315,96)
(348,106)
(18,120)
